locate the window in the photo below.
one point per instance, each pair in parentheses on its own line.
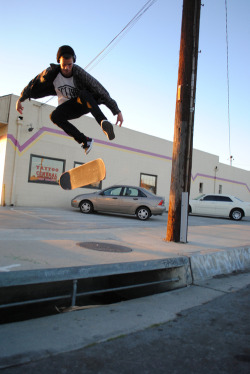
(149,182)
(217,198)
(224,198)
(130,191)
(200,187)
(112,191)
(45,169)
(94,186)
(210,198)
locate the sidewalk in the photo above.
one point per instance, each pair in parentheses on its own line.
(42,238)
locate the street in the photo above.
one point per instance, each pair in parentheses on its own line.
(210,338)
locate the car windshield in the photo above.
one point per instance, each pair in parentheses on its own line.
(199,197)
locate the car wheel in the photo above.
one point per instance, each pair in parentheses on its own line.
(143,213)
(86,206)
(236,214)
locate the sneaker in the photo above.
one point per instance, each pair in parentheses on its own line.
(88,145)
(108,130)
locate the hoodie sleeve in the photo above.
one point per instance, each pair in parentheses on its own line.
(41,85)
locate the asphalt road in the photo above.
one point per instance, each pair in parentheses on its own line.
(211,338)
(65,219)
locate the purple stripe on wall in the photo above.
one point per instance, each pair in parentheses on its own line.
(220,179)
(21,148)
(59,132)
(133,150)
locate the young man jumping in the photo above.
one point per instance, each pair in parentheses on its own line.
(78,94)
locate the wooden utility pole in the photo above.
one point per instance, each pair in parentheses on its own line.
(184,115)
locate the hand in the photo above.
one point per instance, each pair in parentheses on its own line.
(19,106)
(119,120)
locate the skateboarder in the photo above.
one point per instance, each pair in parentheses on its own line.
(78,94)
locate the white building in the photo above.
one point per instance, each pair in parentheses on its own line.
(34,152)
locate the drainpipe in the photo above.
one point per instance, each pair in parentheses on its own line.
(215,171)
(13,187)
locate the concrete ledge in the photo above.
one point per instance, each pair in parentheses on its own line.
(208,265)
(32,286)
(18,278)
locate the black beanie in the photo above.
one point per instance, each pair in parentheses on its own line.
(65,50)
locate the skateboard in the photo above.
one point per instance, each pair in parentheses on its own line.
(91,172)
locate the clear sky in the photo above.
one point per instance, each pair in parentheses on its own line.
(141,71)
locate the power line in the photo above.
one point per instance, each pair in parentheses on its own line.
(111,45)
(123,32)
(228,96)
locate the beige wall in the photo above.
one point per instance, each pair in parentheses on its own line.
(130,154)
(3,144)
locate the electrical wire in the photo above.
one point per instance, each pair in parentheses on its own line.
(228,96)
(124,31)
(111,45)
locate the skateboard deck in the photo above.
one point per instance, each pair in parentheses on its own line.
(91,172)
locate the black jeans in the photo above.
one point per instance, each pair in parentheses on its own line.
(75,108)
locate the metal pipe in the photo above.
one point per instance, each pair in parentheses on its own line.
(74,295)
(127,287)
(73,302)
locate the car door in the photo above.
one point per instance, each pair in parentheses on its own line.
(207,205)
(130,200)
(108,199)
(224,206)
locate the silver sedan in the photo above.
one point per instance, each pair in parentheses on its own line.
(121,199)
